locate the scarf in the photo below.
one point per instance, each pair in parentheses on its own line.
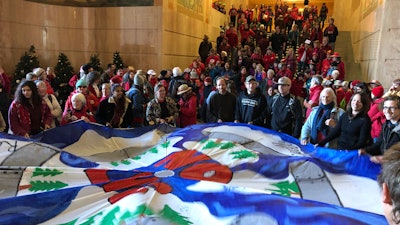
(323,113)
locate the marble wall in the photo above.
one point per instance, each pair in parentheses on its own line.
(374,34)
(80,32)
(161,36)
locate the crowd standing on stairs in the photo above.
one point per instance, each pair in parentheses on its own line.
(274,67)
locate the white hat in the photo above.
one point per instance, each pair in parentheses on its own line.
(176,71)
(284,81)
(151,72)
(307,42)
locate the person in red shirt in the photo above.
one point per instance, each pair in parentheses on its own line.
(187,106)
(92,102)
(77,110)
(269,58)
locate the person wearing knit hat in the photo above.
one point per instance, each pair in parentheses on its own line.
(81,84)
(93,80)
(92,102)
(176,71)
(117,79)
(138,80)
(375,113)
(377,92)
(137,96)
(78,110)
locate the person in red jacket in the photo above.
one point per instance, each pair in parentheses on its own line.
(304,54)
(187,106)
(77,110)
(269,59)
(92,102)
(28,113)
(340,64)
(375,113)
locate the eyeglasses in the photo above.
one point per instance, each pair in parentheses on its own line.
(389,108)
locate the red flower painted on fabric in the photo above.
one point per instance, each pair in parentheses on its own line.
(187,164)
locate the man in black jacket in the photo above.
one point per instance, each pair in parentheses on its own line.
(390,133)
(285,110)
(250,104)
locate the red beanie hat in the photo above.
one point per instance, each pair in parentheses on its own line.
(377,91)
(116,79)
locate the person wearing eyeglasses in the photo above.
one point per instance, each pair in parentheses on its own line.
(390,133)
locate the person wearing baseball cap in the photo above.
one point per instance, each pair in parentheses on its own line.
(285,111)
(250,104)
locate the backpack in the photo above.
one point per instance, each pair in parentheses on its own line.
(291,101)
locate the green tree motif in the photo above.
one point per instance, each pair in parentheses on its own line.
(46,185)
(227,145)
(70,223)
(211,144)
(111,217)
(165,144)
(46,172)
(142,210)
(173,216)
(285,188)
(152,150)
(221,145)
(243,154)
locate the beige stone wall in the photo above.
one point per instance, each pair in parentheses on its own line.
(80,32)
(163,36)
(375,29)
(184,28)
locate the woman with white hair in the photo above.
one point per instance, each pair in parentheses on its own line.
(51,101)
(322,119)
(42,75)
(77,110)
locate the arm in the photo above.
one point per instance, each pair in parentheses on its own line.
(212,117)
(150,113)
(238,108)
(128,117)
(2,123)
(263,105)
(306,129)
(334,133)
(101,113)
(298,117)
(56,111)
(365,133)
(47,116)
(13,120)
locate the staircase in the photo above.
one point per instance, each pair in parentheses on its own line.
(344,47)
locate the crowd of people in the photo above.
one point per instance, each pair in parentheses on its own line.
(288,79)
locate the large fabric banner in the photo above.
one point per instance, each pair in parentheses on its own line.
(84,173)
